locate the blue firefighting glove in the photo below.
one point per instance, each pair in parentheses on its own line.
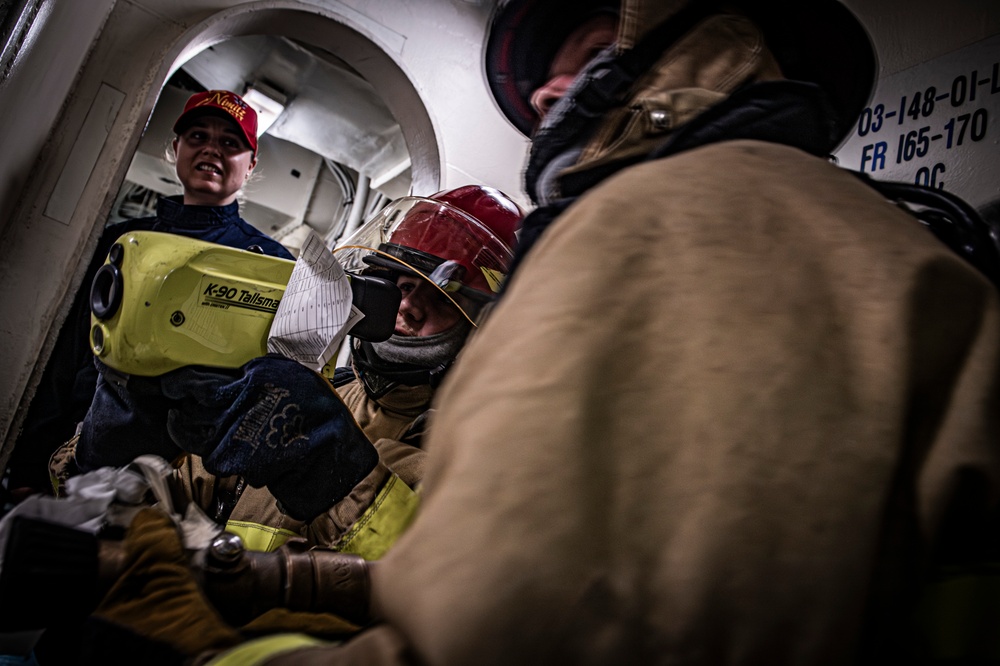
(126,419)
(277,424)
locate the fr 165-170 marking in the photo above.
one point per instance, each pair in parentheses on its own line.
(917,143)
(962,127)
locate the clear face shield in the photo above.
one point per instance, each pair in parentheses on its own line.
(435,242)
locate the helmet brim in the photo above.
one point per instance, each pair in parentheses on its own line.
(435,241)
(824,43)
(523,41)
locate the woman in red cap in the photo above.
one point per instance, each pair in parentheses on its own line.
(215,153)
(215,150)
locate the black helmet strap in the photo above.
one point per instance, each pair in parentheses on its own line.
(379,377)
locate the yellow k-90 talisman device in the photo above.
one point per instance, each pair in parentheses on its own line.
(162,301)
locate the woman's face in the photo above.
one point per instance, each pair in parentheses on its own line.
(213,161)
(423,309)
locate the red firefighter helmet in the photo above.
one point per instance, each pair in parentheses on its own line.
(459,240)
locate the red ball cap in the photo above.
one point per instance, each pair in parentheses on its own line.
(221,103)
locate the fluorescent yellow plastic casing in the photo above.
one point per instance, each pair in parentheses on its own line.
(188,302)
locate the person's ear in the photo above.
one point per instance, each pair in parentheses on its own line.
(174,145)
(253,163)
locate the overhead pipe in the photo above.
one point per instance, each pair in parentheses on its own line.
(360,203)
(347,189)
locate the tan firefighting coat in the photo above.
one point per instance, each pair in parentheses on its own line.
(705,432)
(717,418)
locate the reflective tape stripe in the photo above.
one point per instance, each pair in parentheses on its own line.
(379,527)
(260,650)
(259,537)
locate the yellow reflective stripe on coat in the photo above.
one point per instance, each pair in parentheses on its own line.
(260,650)
(260,538)
(382,523)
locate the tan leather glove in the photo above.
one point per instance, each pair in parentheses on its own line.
(157,598)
